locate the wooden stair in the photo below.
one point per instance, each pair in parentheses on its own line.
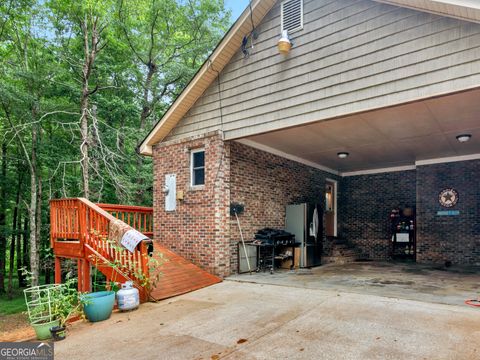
(343,252)
(79,230)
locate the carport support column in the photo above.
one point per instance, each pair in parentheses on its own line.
(222,208)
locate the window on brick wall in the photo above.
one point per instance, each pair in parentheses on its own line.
(197,167)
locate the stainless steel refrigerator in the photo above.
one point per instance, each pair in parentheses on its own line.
(305,221)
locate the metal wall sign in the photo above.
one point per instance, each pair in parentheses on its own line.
(448,197)
(448,213)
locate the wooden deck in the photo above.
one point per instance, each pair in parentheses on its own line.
(80,230)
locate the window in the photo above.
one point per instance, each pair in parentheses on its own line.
(292,15)
(197,167)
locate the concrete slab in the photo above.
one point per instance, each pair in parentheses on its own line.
(235,320)
(435,284)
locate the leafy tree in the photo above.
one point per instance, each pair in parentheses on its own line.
(81,83)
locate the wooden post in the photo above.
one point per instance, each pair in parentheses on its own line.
(58,270)
(80,275)
(86,276)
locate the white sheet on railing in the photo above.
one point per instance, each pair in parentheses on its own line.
(131,239)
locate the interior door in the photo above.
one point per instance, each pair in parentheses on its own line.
(331,208)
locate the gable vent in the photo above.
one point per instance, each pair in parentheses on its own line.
(292,15)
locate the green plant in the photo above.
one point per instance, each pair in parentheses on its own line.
(51,302)
(147,280)
(66,302)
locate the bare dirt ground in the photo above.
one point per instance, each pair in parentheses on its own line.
(15,327)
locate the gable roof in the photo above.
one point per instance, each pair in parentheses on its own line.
(468,10)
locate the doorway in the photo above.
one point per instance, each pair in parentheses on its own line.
(331,188)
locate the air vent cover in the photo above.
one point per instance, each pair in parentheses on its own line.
(292,15)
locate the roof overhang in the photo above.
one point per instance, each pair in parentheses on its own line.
(468,10)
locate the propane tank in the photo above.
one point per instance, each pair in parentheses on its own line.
(128,297)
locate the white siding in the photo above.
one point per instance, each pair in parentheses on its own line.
(351,56)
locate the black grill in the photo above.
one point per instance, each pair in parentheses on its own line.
(275,237)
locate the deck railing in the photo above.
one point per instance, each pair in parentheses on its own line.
(80,229)
(138,217)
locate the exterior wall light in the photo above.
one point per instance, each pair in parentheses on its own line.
(463,137)
(343,155)
(284,44)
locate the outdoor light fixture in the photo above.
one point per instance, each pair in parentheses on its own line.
(463,137)
(284,44)
(342,155)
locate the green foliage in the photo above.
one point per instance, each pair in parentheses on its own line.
(12,306)
(148,51)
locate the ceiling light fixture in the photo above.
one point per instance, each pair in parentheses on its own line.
(343,155)
(463,137)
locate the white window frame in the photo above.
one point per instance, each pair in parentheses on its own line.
(301,17)
(192,152)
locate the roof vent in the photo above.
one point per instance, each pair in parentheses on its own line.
(292,15)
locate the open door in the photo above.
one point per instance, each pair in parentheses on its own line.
(331,207)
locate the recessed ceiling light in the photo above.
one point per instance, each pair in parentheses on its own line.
(342,155)
(463,137)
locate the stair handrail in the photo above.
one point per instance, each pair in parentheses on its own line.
(91,224)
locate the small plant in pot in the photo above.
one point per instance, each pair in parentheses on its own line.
(50,307)
(66,305)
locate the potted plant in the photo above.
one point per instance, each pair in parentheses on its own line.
(39,302)
(98,305)
(51,306)
(66,305)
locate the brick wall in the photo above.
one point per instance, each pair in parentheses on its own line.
(199,228)
(365,202)
(449,238)
(202,230)
(265,184)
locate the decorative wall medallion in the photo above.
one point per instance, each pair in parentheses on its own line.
(448,198)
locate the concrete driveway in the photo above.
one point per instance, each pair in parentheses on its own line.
(411,281)
(236,320)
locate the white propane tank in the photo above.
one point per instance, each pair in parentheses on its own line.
(128,297)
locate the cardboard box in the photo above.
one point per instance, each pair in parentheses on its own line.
(285,264)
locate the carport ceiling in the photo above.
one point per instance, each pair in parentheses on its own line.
(389,137)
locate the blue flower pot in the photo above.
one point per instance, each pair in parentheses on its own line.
(98,306)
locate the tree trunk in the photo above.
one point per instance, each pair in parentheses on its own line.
(146,112)
(34,253)
(3,216)
(90,52)
(84,147)
(25,250)
(14,237)
(21,278)
(38,227)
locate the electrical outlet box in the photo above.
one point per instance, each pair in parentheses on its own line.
(180,195)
